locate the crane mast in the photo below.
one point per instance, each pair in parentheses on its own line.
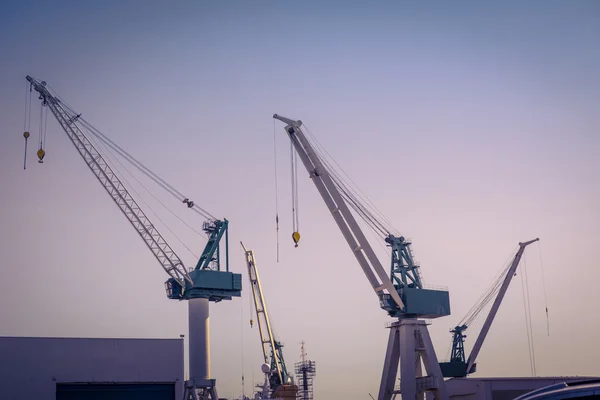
(280,380)
(165,255)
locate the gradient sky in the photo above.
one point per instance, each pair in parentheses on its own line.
(472,127)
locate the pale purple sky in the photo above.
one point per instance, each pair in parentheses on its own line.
(472,127)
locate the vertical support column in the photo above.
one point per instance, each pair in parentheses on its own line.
(199,386)
(432,364)
(390,366)
(419,372)
(408,358)
(199,339)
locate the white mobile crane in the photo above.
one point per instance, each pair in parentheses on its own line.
(457,367)
(400,291)
(281,385)
(200,285)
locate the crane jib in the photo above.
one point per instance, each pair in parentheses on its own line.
(400,291)
(212,284)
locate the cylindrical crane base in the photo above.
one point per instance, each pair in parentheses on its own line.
(199,339)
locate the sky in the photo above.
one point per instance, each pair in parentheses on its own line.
(471,126)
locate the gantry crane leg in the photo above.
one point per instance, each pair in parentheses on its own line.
(409,346)
(197,393)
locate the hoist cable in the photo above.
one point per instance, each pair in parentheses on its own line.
(251,303)
(347,192)
(168,188)
(293,186)
(374,225)
(296,199)
(140,166)
(25,156)
(359,208)
(149,192)
(136,163)
(242,338)
(40,126)
(26,98)
(276,188)
(530,327)
(544,286)
(294,172)
(523,286)
(360,194)
(484,300)
(356,200)
(26,132)
(45,126)
(29,116)
(487,295)
(107,155)
(371,222)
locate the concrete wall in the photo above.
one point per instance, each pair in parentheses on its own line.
(499,388)
(30,368)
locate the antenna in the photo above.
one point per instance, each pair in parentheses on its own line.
(305,371)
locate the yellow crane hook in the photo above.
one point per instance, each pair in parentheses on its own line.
(41,153)
(296,237)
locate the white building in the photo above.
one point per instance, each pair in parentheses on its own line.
(81,368)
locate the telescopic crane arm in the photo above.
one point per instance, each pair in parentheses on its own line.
(370,264)
(490,318)
(165,255)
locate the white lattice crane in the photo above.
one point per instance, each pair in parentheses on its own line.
(200,285)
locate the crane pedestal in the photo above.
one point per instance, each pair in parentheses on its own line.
(200,390)
(410,347)
(199,386)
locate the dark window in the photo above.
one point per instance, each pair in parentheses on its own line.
(115,391)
